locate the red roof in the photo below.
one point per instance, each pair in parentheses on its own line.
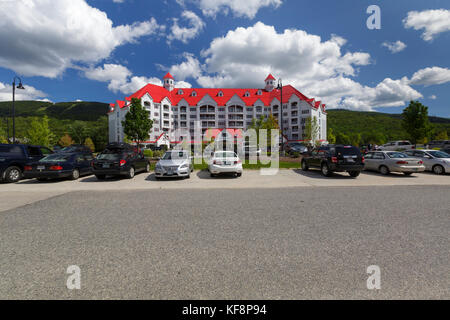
(168,75)
(220,95)
(270,77)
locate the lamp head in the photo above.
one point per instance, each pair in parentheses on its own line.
(20,86)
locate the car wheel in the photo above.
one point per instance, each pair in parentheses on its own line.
(130,173)
(75,174)
(325,170)
(147,167)
(304,166)
(239,174)
(213,175)
(384,170)
(354,174)
(100,176)
(13,174)
(407,173)
(438,169)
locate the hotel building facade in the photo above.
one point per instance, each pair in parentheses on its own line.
(221,108)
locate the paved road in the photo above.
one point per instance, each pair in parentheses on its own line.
(293,243)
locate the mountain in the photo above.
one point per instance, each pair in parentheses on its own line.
(388,126)
(85,111)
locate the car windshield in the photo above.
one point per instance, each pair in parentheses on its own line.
(439,154)
(69,149)
(404,143)
(56,158)
(224,154)
(175,155)
(396,155)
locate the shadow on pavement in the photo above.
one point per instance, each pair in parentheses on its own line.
(316,174)
(204,174)
(152,177)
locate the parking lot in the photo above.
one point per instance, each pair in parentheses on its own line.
(28,191)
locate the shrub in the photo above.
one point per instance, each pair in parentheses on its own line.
(148,153)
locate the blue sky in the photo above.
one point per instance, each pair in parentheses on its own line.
(103,50)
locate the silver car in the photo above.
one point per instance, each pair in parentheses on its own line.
(436,161)
(174,163)
(392,161)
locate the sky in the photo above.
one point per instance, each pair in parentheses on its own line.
(104,50)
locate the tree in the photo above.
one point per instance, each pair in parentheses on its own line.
(39,132)
(79,131)
(312,130)
(89,143)
(331,136)
(137,123)
(441,135)
(415,121)
(65,141)
(342,138)
(355,139)
(269,124)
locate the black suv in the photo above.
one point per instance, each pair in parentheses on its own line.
(76,148)
(334,158)
(120,159)
(14,157)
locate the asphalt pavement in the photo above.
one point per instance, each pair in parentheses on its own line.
(290,243)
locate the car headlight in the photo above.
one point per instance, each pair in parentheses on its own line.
(184,166)
(158,166)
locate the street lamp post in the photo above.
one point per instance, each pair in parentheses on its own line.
(20,86)
(280,87)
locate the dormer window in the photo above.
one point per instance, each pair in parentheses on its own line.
(146,103)
(220,94)
(247,94)
(259,93)
(194,94)
(180,92)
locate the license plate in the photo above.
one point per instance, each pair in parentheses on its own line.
(415,169)
(105,165)
(227,163)
(41,167)
(350,160)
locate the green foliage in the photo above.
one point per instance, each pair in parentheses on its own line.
(137,123)
(415,121)
(85,111)
(443,135)
(39,132)
(268,124)
(374,127)
(79,131)
(66,141)
(331,136)
(89,143)
(312,130)
(148,153)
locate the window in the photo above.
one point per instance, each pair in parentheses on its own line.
(221,109)
(247,94)
(180,92)
(259,93)
(378,156)
(220,94)
(194,93)
(46,151)
(146,103)
(249,116)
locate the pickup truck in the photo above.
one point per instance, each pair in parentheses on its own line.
(14,157)
(402,145)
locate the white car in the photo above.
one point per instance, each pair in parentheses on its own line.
(174,163)
(435,161)
(397,146)
(225,162)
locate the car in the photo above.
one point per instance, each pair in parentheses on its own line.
(446,150)
(14,157)
(295,147)
(225,162)
(392,161)
(401,145)
(120,159)
(174,164)
(60,165)
(435,161)
(76,148)
(334,158)
(438,144)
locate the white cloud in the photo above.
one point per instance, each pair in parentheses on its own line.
(188,68)
(318,68)
(44,37)
(432,97)
(394,47)
(120,79)
(30,93)
(118,1)
(432,21)
(431,76)
(184,34)
(239,8)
